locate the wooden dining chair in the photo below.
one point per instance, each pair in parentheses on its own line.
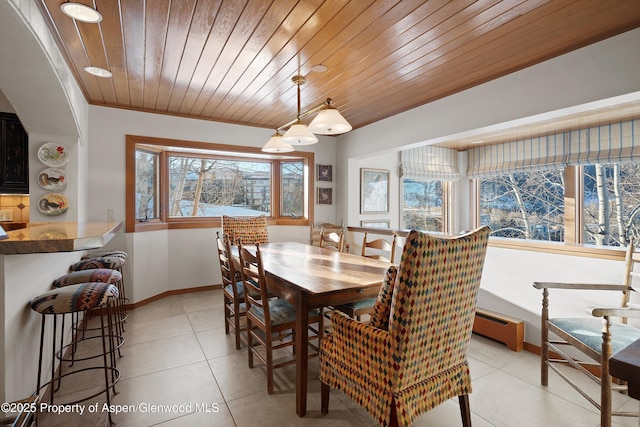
(379,246)
(597,337)
(271,322)
(232,289)
(332,240)
(412,356)
(359,308)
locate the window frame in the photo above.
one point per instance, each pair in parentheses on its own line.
(226,151)
(573,225)
(447,205)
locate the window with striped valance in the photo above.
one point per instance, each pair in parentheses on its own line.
(539,153)
(610,143)
(430,163)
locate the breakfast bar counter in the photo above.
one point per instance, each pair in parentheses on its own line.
(31,259)
(59,237)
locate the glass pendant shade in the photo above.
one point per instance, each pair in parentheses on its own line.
(329,122)
(276,145)
(298,134)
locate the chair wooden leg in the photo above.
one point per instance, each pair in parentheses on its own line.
(605,386)
(393,421)
(465,410)
(249,342)
(227,314)
(324,398)
(544,344)
(236,322)
(269,351)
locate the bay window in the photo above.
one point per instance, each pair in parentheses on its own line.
(183,184)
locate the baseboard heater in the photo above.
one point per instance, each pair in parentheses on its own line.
(505,329)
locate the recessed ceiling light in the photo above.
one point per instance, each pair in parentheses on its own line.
(97,71)
(319,68)
(81,12)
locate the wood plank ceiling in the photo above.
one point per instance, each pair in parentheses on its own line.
(232,60)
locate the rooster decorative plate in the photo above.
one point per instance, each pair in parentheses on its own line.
(52,179)
(53,155)
(53,204)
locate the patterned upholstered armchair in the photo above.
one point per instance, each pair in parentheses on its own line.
(412,356)
(249,229)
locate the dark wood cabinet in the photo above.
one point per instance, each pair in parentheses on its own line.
(14,155)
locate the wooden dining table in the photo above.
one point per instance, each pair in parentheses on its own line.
(313,277)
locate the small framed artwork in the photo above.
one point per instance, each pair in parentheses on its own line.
(375,223)
(325,173)
(374,191)
(325,196)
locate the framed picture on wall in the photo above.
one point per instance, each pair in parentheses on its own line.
(374,191)
(325,196)
(325,173)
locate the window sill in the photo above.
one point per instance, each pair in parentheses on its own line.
(561,248)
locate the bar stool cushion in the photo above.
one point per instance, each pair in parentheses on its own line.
(74,298)
(104,275)
(112,262)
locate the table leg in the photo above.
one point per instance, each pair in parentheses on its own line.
(302,351)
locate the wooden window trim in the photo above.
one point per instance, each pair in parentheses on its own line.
(132,225)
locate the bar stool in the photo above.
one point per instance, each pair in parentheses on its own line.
(115,262)
(82,297)
(103,275)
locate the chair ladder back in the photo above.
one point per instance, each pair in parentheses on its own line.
(381,245)
(253,279)
(332,240)
(227,269)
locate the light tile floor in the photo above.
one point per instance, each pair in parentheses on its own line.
(177,357)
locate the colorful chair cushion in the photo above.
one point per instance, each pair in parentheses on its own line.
(250,230)
(419,361)
(104,275)
(74,298)
(112,262)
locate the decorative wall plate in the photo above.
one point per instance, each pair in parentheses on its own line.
(52,179)
(53,204)
(53,154)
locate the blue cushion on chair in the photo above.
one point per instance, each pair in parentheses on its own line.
(281,312)
(589,332)
(360,304)
(239,287)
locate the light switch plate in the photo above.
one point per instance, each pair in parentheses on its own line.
(6,215)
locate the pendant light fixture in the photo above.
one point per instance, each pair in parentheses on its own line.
(276,145)
(298,134)
(329,121)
